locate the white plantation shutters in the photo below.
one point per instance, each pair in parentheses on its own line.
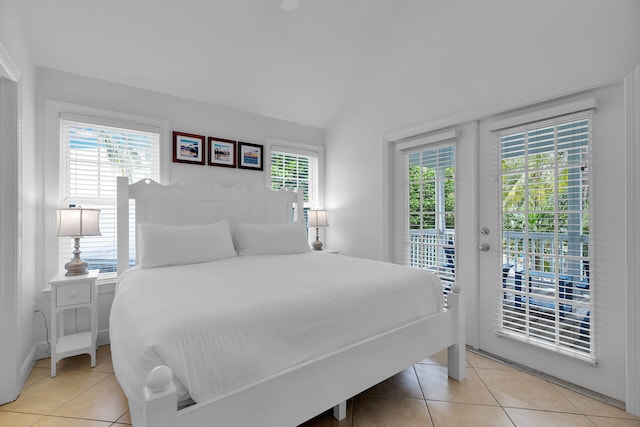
(430,218)
(296,168)
(547,284)
(93,153)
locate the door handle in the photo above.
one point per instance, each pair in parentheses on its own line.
(484,247)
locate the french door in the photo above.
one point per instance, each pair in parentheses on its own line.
(550,220)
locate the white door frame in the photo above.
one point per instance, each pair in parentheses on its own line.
(632,111)
(10,283)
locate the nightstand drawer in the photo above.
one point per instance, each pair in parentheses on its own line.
(73,294)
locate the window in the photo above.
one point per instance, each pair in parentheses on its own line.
(546,247)
(296,168)
(92,156)
(430,189)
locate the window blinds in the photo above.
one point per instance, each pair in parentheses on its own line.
(92,156)
(430,213)
(547,284)
(292,169)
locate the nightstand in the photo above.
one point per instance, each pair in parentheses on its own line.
(331,251)
(73,292)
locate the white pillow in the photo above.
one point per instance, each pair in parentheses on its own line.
(160,245)
(276,239)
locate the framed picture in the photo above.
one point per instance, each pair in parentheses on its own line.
(249,156)
(222,152)
(188,148)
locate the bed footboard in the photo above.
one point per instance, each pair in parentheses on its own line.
(160,399)
(160,396)
(287,399)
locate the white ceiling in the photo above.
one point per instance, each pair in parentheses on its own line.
(244,54)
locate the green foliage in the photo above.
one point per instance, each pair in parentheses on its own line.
(423,197)
(289,171)
(542,199)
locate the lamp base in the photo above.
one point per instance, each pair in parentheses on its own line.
(317,245)
(76,266)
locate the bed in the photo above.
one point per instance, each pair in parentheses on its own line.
(254,328)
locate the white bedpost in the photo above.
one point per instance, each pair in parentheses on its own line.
(456,354)
(122,228)
(160,399)
(340,411)
(299,216)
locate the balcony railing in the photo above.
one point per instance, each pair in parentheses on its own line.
(539,253)
(434,250)
(545,279)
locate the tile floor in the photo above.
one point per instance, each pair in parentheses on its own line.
(493,394)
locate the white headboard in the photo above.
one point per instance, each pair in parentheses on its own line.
(181,204)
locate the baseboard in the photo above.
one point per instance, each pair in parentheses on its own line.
(26,367)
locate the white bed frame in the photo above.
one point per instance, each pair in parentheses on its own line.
(304,391)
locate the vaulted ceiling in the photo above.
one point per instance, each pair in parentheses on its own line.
(250,55)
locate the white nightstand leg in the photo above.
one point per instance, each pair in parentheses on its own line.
(53,338)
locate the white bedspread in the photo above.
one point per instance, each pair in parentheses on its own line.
(225,324)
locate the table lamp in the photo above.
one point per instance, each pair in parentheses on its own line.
(318,218)
(77,223)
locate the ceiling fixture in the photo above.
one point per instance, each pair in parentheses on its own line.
(288,5)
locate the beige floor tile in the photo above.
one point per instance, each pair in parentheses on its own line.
(462,415)
(531,418)
(378,411)
(589,406)
(516,389)
(440,358)
(436,385)
(69,422)
(479,361)
(326,419)
(46,395)
(125,419)
(16,419)
(36,375)
(104,401)
(43,363)
(613,422)
(403,384)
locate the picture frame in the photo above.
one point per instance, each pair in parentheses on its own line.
(188,148)
(250,156)
(222,152)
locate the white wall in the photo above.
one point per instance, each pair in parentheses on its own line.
(179,115)
(20,293)
(465,59)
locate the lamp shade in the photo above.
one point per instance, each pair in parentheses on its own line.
(318,218)
(78,222)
